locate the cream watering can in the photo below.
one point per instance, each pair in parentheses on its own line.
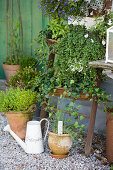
(33,141)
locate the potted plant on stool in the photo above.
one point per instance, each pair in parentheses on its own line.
(18,106)
(60,140)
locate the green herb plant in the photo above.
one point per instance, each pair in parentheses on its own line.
(16,99)
(23,78)
(28,61)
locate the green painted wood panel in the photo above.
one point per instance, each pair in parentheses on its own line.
(36,18)
(32,19)
(2,35)
(26,20)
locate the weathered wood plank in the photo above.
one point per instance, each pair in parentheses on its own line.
(101,64)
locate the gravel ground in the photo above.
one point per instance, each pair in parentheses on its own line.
(12,156)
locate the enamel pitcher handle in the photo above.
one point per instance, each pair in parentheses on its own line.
(47,127)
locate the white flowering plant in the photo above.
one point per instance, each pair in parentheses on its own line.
(74,51)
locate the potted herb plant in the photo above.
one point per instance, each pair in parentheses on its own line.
(11,64)
(23,78)
(60,139)
(18,106)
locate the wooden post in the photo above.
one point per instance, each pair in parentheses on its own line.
(92,117)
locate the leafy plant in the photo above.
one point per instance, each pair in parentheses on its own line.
(42,50)
(101,26)
(23,78)
(74,51)
(44,83)
(16,99)
(15,50)
(68,127)
(28,61)
(58,28)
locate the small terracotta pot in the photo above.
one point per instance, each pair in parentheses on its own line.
(60,91)
(109,135)
(10,70)
(59,144)
(18,121)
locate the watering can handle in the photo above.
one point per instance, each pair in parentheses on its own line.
(47,127)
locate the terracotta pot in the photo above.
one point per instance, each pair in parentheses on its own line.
(60,91)
(109,136)
(18,121)
(51,41)
(10,70)
(59,144)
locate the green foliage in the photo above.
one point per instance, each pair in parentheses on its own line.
(74,51)
(102,24)
(23,78)
(58,28)
(74,128)
(111,167)
(15,48)
(42,50)
(28,61)
(44,83)
(76,47)
(16,99)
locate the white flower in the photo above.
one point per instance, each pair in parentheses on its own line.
(109,22)
(103,42)
(91,13)
(92,40)
(80,69)
(86,36)
(72,68)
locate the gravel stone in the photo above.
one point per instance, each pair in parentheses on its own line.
(13,157)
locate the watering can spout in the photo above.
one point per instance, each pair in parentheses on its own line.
(19,141)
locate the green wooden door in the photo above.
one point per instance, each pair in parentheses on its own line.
(32,19)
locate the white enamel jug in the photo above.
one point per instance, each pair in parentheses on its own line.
(33,141)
